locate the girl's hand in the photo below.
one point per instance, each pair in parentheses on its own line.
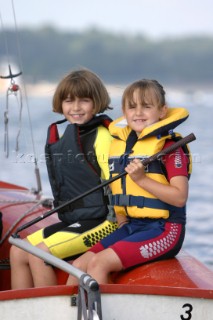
(174,193)
(135,169)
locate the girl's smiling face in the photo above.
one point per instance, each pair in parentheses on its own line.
(142,111)
(78,110)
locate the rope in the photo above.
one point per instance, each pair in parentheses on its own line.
(18,201)
(12,90)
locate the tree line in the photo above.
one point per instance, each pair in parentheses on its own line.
(48,53)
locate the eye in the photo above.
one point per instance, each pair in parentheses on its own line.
(67,100)
(130,105)
(147,106)
(87,100)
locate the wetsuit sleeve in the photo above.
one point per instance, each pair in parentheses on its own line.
(175,163)
(101,146)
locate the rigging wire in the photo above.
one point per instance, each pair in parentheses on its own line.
(11,76)
(5,39)
(12,90)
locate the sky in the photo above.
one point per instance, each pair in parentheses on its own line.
(154,18)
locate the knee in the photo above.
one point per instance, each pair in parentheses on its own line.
(34,258)
(94,264)
(16,253)
(77,264)
(43,247)
(13,253)
(82,262)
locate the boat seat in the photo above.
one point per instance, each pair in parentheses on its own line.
(181,271)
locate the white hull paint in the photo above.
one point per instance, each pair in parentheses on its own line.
(153,307)
(39,308)
(114,307)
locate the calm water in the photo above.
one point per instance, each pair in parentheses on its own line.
(19,167)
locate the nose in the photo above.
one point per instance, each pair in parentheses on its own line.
(76,104)
(138,110)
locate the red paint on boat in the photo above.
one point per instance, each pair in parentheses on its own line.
(15,202)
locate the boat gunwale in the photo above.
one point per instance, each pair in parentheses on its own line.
(64,290)
(157,290)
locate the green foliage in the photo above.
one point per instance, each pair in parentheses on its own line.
(48,54)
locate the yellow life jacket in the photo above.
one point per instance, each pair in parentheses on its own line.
(127,197)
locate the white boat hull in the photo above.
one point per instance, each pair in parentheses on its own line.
(153,307)
(114,307)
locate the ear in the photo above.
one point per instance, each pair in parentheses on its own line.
(163,112)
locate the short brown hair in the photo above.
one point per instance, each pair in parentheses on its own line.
(82,84)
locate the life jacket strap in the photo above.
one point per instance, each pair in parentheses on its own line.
(141,202)
(138,201)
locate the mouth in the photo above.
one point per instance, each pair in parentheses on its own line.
(76,115)
(139,120)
